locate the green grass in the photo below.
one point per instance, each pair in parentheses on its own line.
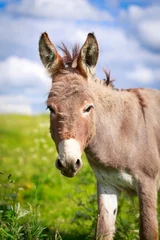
(28,154)
(28,178)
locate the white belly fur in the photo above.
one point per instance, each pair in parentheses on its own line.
(120,179)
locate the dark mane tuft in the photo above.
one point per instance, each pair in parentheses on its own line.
(108,81)
(70,59)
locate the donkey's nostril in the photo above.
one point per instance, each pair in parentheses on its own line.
(59,164)
(78,164)
(71,166)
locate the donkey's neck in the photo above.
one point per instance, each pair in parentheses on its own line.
(107,147)
(105,102)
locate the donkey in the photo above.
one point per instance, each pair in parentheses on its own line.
(119,131)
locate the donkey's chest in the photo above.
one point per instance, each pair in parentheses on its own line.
(120,179)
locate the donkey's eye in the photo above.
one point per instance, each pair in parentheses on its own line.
(51,109)
(88,108)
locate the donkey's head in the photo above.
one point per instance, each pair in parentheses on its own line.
(70,101)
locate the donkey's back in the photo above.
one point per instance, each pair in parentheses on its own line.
(149,102)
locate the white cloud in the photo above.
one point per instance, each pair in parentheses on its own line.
(145,23)
(77,10)
(24,86)
(136,13)
(22,103)
(14,104)
(141,73)
(15,109)
(22,73)
(149,33)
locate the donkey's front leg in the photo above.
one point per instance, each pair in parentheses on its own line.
(107,208)
(147,193)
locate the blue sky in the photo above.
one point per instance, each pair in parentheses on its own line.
(128,34)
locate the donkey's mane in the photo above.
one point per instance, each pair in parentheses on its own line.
(108,81)
(70,60)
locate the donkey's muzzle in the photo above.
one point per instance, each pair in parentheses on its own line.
(68,168)
(69,159)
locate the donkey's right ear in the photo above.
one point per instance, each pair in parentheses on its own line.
(88,56)
(50,58)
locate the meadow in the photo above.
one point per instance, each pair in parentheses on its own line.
(36,201)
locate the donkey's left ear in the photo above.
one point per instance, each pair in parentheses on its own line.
(50,58)
(88,56)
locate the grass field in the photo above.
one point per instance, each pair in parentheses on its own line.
(28,177)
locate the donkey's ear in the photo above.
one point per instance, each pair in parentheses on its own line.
(88,56)
(50,58)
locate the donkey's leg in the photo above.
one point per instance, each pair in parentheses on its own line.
(107,207)
(147,193)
